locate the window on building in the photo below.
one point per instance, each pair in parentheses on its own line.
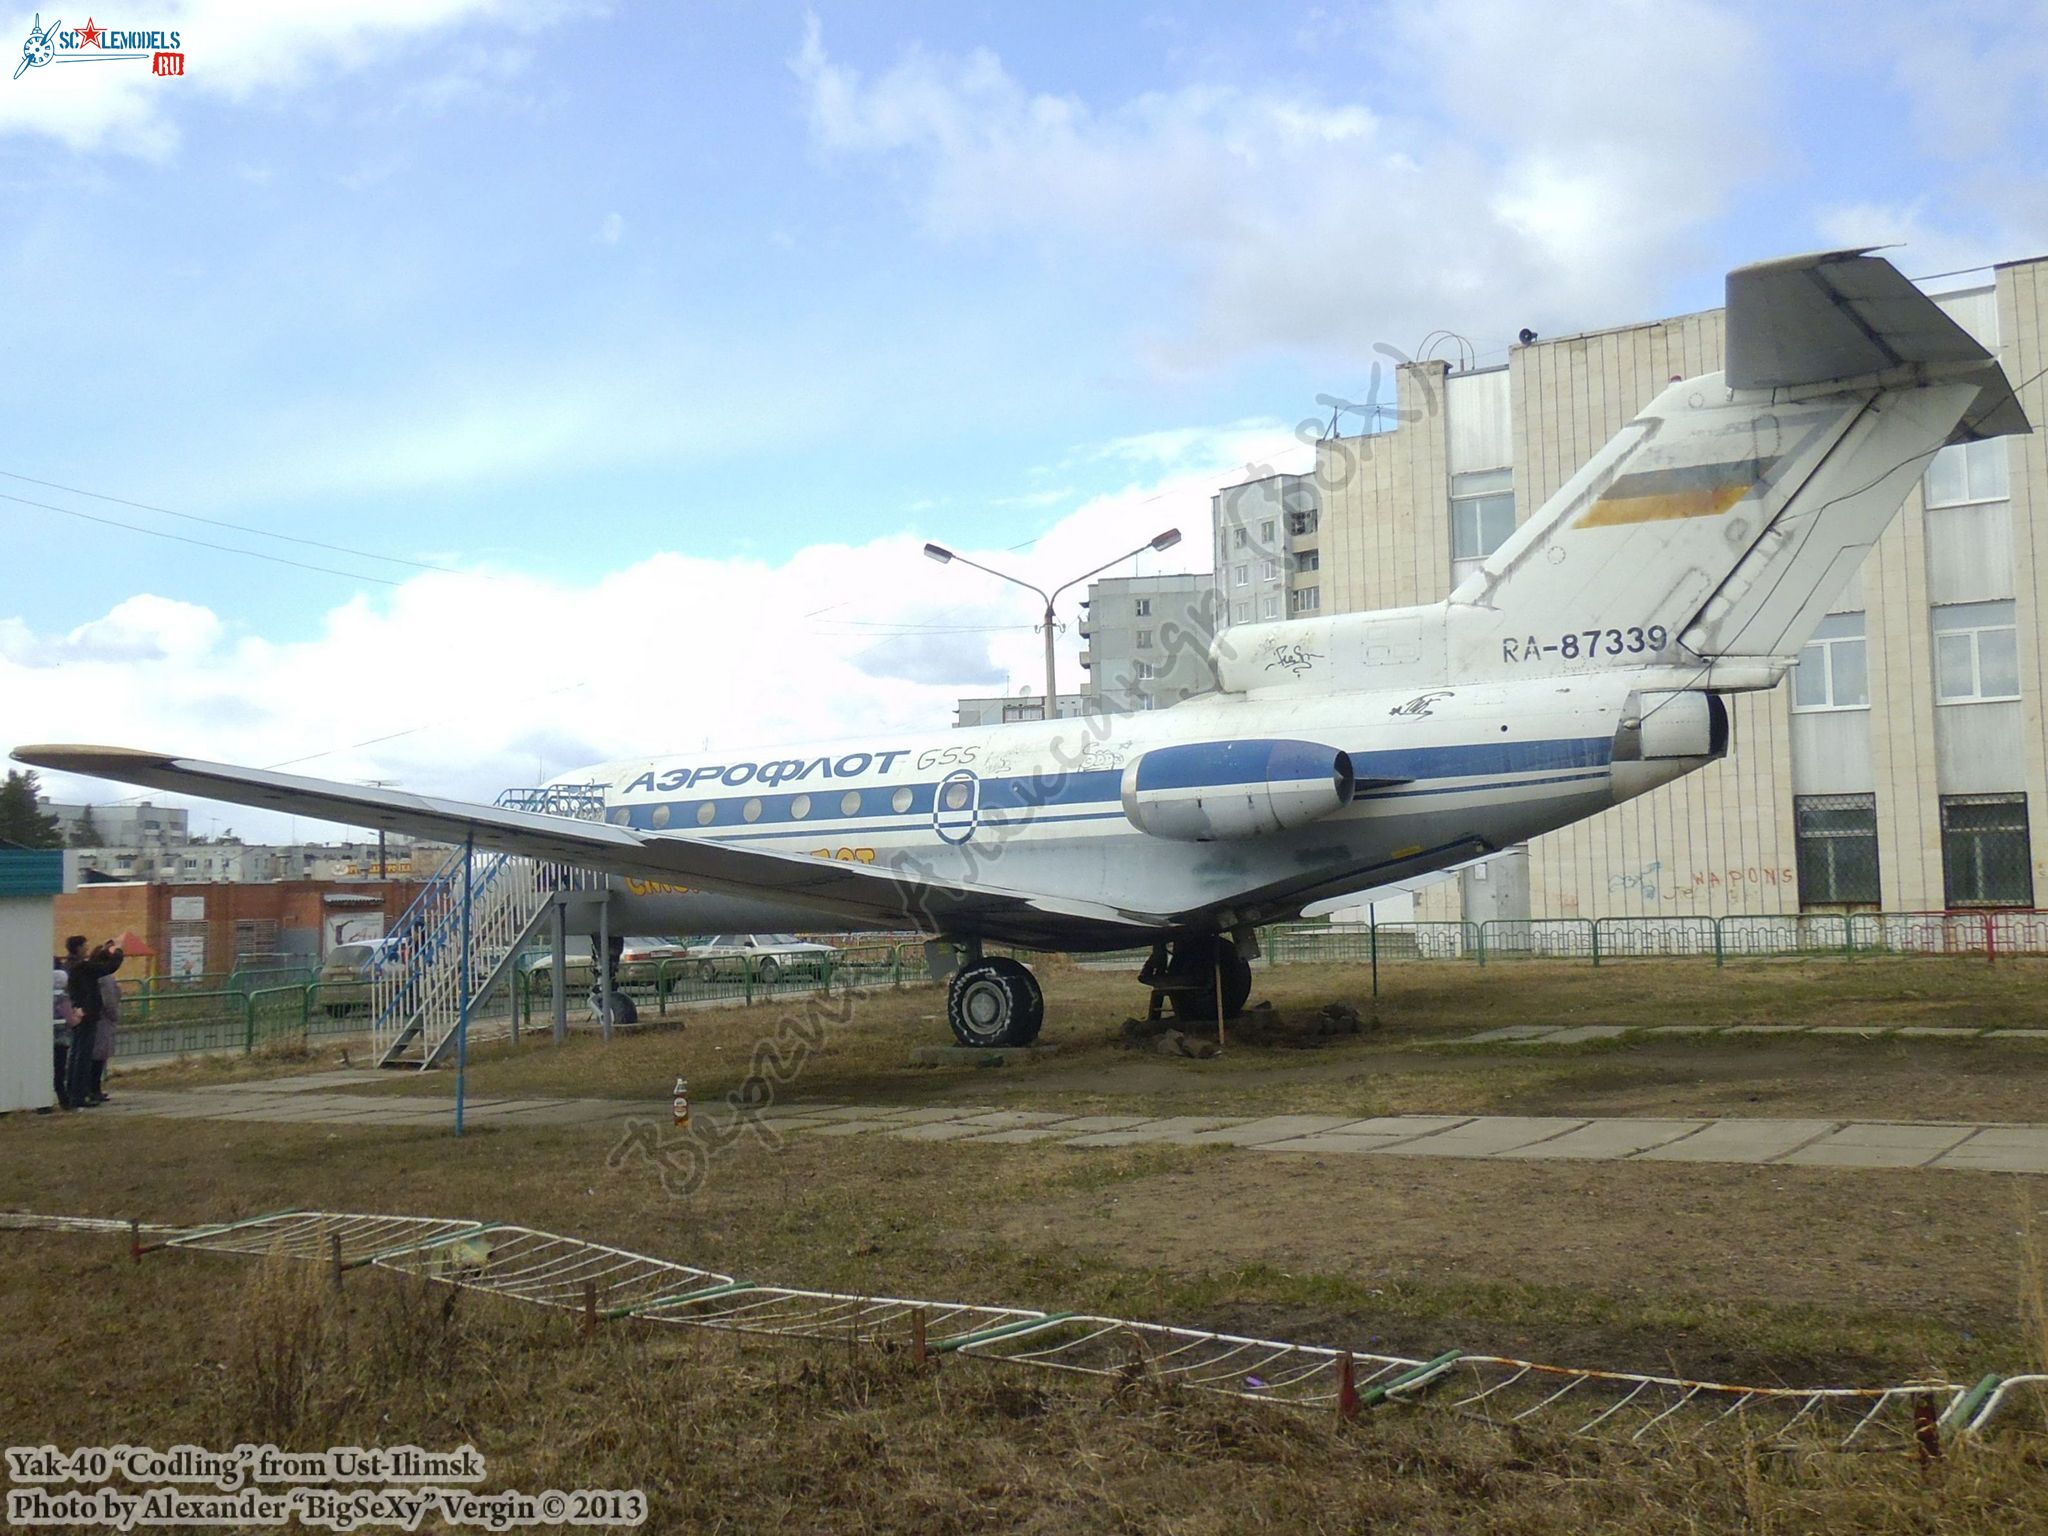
(1308,599)
(1243,539)
(1482,512)
(1266,532)
(1020,711)
(1144,671)
(1269,570)
(1968,472)
(1837,850)
(1986,859)
(1144,606)
(1269,606)
(1241,575)
(1144,639)
(1301,524)
(1833,671)
(1976,652)
(1308,560)
(1240,613)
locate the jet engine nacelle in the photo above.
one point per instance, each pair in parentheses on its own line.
(1210,791)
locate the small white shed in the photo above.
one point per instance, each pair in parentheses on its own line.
(30,879)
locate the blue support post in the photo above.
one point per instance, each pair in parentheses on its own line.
(462,1019)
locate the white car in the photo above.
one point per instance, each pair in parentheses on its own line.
(770,954)
(638,951)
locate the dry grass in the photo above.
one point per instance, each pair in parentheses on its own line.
(725,1434)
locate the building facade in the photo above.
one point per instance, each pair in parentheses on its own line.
(1148,640)
(1268,549)
(1903,765)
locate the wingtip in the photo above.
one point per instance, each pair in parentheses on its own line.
(65,758)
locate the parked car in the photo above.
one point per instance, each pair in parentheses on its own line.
(642,951)
(771,955)
(348,973)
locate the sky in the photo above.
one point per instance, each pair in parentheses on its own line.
(590,376)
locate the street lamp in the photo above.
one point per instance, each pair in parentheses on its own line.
(945,556)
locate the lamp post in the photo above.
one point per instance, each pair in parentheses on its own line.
(945,556)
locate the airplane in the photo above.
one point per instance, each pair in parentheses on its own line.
(1585,662)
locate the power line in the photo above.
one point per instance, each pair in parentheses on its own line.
(215,522)
(179,538)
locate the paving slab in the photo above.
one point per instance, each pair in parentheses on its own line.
(1401,1126)
(1338,1141)
(1609,1140)
(1938,1032)
(848,1127)
(2018,1034)
(1739,1141)
(1508,1032)
(1580,1033)
(1079,1125)
(947,1130)
(1766,1029)
(1273,1128)
(1487,1136)
(2000,1149)
(1173,1129)
(1685,1029)
(1014,1119)
(1875,1145)
(1867,1031)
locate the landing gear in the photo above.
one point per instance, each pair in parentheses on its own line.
(994,1002)
(1187,976)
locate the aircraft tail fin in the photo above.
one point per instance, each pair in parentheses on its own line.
(1720,523)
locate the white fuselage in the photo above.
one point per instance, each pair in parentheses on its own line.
(1038,807)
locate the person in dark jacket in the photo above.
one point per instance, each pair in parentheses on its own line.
(83,982)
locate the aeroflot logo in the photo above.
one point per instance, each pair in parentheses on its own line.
(788,770)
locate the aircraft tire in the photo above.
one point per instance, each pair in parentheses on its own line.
(995,1002)
(1199,1005)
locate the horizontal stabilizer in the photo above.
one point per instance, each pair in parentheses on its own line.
(1807,320)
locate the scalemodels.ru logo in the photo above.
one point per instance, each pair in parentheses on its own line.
(95,44)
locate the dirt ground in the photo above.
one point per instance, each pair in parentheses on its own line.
(1762,1275)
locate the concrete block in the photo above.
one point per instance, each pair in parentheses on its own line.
(1738,1141)
(1578,1034)
(1938,1032)
(1273,1128)
(1876,1145)
(1605,1140)
(2000,1149)
(1765,1029)
(1488,1136)
(1684,1029)
(1078,1125)
(1865,1031)
(2018,1034)
(1179,1129)
(1511,1032)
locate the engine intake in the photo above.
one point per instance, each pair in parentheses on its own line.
(1212,791)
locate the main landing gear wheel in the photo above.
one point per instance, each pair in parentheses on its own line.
(994,1002)
(1196,963)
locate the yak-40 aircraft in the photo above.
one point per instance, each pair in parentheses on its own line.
(1584,663)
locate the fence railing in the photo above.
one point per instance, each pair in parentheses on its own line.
(1742,936)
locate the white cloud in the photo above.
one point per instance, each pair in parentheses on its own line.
(508,677)
(234,48)
(1562,159)
(612,230)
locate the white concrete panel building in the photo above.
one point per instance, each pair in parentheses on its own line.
(1903,766)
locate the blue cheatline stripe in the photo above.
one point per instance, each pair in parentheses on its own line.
(875,810)
(1200,765)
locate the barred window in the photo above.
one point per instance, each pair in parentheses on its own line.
(1986,857)
(1837,850)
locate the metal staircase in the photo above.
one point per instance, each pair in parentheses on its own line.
(417,991)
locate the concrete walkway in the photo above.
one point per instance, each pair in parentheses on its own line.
(1581,1034)
(325,1099)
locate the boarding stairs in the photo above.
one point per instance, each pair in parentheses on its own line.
(417,992)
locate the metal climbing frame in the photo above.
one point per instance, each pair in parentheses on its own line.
(604,1282)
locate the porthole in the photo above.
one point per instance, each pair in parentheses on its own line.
(621,818)
(800,807)
(849,803)
(707,813)
(900,801)
(751,810)
(956,795)
(660,816)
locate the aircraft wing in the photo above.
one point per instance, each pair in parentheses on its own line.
(869,895)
